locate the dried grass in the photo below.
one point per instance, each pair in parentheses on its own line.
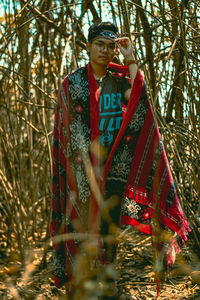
(33,60)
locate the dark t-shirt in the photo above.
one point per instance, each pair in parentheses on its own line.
(111,90)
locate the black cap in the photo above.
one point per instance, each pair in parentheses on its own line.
(96,30)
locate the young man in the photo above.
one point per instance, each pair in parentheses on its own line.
(102,42)
(107,152)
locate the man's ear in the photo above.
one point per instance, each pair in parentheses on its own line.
(88,46)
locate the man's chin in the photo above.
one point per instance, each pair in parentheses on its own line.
(104,61)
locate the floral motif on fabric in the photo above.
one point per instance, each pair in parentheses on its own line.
(121,164)
(79,109)
(138,117)
(128,138)
(83,185)
(146,215)
(78,87)
(130,208)
(80,136)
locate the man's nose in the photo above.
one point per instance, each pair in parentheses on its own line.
(105,48)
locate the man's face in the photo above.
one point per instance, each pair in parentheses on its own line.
(101,51)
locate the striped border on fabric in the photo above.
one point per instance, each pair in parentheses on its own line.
(116,179)
(141,165)
(157,154)
(162,182)
(64,98)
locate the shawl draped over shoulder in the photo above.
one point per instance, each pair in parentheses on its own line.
(136,170)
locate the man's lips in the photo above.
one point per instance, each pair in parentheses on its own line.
(104,57)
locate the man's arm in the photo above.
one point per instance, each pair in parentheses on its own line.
(126,49)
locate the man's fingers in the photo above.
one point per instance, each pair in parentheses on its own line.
(124,42)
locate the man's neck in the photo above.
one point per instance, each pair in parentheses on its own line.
(99,71)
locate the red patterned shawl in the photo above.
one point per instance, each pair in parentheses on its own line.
(136,168)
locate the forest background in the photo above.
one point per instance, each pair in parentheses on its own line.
(41,42)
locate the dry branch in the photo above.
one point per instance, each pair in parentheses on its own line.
(37,43)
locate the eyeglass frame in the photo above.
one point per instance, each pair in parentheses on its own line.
(100,45)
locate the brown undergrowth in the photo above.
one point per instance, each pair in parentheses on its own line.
(34,278)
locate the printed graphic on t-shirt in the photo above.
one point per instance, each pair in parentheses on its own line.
(110,110)
(111,91)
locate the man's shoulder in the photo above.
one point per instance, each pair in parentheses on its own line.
(76,76)
(77,73)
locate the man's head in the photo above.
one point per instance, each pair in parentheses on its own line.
(101,42)
(102,30)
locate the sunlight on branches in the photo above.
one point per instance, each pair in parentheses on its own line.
(41,42)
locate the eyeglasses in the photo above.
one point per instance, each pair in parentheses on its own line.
(101,46)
